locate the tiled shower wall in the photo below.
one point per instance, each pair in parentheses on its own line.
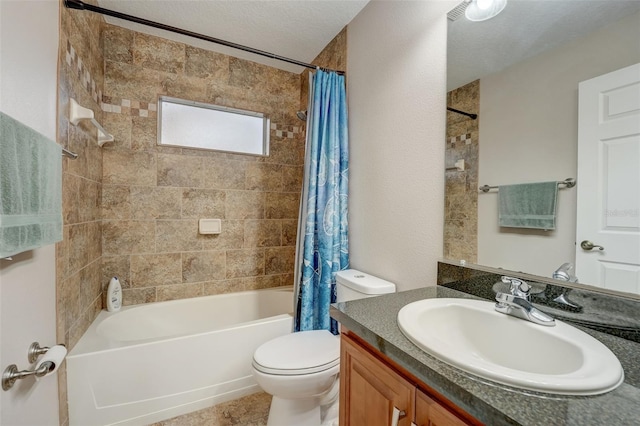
(461,187)
(152,196)
(78,255)
(333,56)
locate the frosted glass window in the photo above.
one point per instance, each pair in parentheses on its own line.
(198,125)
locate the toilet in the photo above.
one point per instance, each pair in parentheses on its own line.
(300,370)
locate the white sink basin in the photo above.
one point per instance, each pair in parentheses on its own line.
(471,335)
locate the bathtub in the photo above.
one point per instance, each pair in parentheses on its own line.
(152,362)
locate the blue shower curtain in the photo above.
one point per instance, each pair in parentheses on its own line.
(323,246)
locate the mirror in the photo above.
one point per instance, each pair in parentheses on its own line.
(520,73)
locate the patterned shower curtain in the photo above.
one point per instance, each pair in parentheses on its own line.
(323,245)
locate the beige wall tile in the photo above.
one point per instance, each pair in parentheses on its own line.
(246,74)
(203,266)
(136,296)
(245,263)
(144,133)
(264,281)
(116,266)
(289,232)
(178,170)
(288,279)
(158,54)
(155,269)
(245,205)
(184,87)
(231,237)
(128,236)
(292,177)
(78,247)
(264,177)
(90,287)
(262,233)
(117,43)
(223,286)
(282,205)
(285,151)
(94,240)
(177,236)
(149,202)
(70,203)
(178,291)
(89,198)
(116,202)
(279,260)
(207,64)
(221,173)
(119,125)
(71,289)
(129,168)
(203,203)
(125,81)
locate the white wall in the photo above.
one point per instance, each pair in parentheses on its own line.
(529,133)
(28,81)
(396,88)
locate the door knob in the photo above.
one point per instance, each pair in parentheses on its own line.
(588,245)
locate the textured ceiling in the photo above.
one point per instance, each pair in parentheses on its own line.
(524,29)
(297,29)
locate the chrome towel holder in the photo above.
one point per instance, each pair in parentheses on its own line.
(568,183)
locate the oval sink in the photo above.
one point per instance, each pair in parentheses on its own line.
(472,336)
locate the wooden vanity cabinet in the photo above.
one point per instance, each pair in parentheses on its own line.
(371,388)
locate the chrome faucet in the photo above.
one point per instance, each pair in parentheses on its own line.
(517,303)
(563,273)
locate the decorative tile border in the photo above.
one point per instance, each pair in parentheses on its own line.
(138,108)
(129,107)
(76,63)
(466,138)
(288,132)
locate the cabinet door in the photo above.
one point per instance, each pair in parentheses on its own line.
(431,413)
(369,390)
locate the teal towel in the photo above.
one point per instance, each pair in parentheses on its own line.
(30,188)
(528,205)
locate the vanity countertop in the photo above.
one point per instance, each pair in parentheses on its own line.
(374,320)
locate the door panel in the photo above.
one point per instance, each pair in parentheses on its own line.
(609,180)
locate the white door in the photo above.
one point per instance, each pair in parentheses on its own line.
(609,181)
(28,88)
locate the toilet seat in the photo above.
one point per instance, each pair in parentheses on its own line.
(294,354)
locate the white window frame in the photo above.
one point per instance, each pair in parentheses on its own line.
(187,124)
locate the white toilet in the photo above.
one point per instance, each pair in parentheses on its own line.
(301,369)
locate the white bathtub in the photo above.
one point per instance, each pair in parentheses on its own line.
(152,362)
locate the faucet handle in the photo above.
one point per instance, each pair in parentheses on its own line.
(518,288)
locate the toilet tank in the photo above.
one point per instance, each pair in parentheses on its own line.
(352,284)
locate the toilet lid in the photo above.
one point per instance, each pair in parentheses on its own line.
(304,352)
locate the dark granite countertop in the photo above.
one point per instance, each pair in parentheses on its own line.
(374,320)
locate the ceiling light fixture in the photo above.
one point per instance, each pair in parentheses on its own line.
(481,10)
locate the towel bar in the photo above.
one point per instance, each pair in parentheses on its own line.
(568,183)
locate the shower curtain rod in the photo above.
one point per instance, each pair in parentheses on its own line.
(468,114)
(80,5)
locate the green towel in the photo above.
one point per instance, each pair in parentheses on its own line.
(30,188)
(528,205)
